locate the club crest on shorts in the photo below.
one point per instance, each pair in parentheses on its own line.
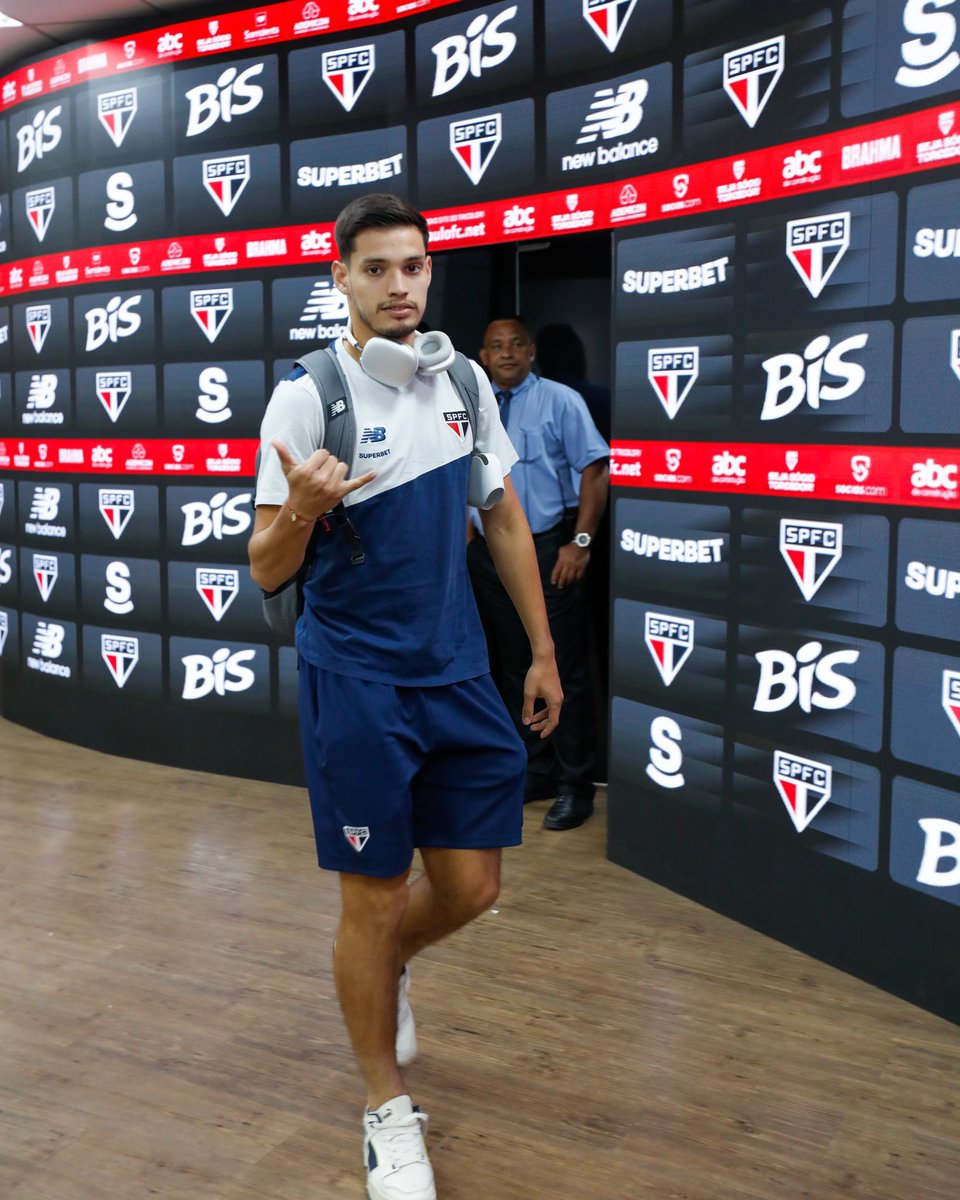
(805,786)
(669,640)
(357,835)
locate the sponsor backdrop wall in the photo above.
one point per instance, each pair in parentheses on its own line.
(786,345)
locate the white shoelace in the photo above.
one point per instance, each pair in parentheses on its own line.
(401,1141)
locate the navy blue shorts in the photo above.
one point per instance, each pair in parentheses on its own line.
(390,768)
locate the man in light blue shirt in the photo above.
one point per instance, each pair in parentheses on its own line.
(562,480)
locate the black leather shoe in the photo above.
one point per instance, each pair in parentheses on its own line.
(568,811)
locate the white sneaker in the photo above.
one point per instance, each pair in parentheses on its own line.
(394,1152)
(406,1026)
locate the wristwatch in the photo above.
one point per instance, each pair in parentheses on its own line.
(582,540)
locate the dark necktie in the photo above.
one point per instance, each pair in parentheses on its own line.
(503,399)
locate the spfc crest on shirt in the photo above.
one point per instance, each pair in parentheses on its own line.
(458,421)
(210,309)
(121,655)
(116,111)
(357,835)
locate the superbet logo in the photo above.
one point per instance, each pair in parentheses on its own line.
(815,246)
(116,508)
(211,309)
(213,398)
(811,549)
(474,142)
(666,757)
(120,214)
(484,45)
(805,786)
(40,204)
(928,57)
(786,679)
(795,378)
(672,371)
(951,697)
(38,320)
(347,72)
(45,571)
(37,138)
(120,654)
(116,111)
(670,641)
(118,592)
(232,95)
(225,179)
(751,73)
(117,320)
(222,673)
(113,389)
(608,19)
(217,589)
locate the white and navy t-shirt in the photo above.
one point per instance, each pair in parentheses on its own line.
(406,615)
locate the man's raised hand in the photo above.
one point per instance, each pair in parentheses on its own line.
(319,483)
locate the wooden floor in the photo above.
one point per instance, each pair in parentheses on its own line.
(168,1026)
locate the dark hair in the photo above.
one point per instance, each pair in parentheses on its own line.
(511,317)
(376,210)
(560,351)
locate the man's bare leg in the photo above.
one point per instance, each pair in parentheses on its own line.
(457,887)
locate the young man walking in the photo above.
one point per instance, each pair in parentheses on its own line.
(406,741)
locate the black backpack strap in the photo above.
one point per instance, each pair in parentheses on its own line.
(339,420)
(465,381)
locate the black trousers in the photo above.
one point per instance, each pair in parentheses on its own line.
(565,761)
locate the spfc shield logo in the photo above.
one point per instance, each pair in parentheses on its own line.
(474,142)
(805,786)
(669,640)
(672,371)
(217,589)
(811,549)
(38,320)
(357,835)
(608,19)
(116,508)
(121,655)
(113,391)
(116,111)
(347,72)
(815,246)
(225,179)
(750,74)
(211,309)
(40,203)
(458,421)
(45,572)
(951,697)
(4,629)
